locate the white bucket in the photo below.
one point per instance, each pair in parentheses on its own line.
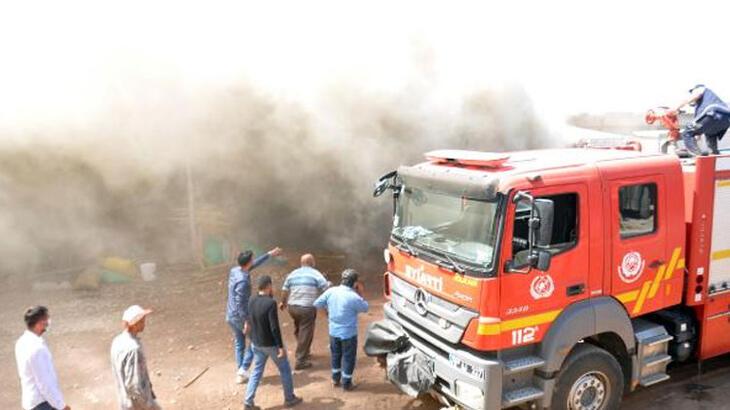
(147,271)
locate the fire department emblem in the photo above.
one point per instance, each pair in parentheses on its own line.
(542,287)
(631,267)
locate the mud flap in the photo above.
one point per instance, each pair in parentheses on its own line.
(412,371)
(384,337)
(407,368)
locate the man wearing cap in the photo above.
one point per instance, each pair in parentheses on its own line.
(239,291)
(301,288)
(711,119)
(343,303)
(129,364)
(38,381)
(263,323)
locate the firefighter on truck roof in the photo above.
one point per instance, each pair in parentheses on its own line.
(711,119)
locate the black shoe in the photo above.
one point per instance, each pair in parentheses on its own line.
(293,402)
(302,365)
(251,407)
(349,387)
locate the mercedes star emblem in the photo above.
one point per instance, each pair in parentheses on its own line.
(421,301)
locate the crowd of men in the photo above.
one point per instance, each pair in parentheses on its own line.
(303,292)
(254,317)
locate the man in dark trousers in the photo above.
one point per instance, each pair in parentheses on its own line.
(263,325)
(343,303)
(239,291)
(711,119)
(301,288)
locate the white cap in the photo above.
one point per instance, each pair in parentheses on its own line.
(134,314)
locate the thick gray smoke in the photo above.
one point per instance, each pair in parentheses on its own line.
(264,171)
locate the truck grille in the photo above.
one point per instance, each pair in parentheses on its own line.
(444,319)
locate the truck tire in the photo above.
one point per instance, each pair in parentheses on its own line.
(590,379)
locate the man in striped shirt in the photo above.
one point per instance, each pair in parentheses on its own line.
(301,287)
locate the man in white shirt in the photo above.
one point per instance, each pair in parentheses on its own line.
(38,381)
(129,364)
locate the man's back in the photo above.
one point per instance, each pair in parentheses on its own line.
(304,285)
(708,103)
(343,304)
(264,322)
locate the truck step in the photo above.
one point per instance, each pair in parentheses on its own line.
(657,359)
(522,395)
(655,340)
(522,364)
(653,379)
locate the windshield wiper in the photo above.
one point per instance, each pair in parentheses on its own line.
(409,248)
(458,268)
(454,264)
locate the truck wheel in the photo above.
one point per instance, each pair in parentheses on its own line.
(590,379)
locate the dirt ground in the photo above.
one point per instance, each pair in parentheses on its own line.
(187,334)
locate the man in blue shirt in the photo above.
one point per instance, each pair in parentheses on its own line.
(343,303)
(301,287)
(239,291)
(711,119)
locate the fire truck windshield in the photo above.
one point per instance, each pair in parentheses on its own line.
(451,227)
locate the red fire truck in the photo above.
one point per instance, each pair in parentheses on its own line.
(561,278)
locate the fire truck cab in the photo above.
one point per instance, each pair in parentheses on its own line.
(556,278)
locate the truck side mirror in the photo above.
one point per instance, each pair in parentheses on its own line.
(540,225)
(380,187)
(543,222)
(384,182)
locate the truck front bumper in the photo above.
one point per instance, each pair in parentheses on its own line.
(463,378)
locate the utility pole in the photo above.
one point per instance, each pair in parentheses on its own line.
(191,209)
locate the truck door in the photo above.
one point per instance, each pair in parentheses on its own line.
(638,241)
(530,301)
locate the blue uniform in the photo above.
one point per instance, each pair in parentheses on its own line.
(712,119)
(710,105)
(343,305)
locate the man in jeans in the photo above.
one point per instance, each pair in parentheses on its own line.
(263,323)
(343,303)
(239,291)
(301,288)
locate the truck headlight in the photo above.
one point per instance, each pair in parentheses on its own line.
(469,394)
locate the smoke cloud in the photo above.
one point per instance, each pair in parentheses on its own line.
(264,171)
(273,125)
